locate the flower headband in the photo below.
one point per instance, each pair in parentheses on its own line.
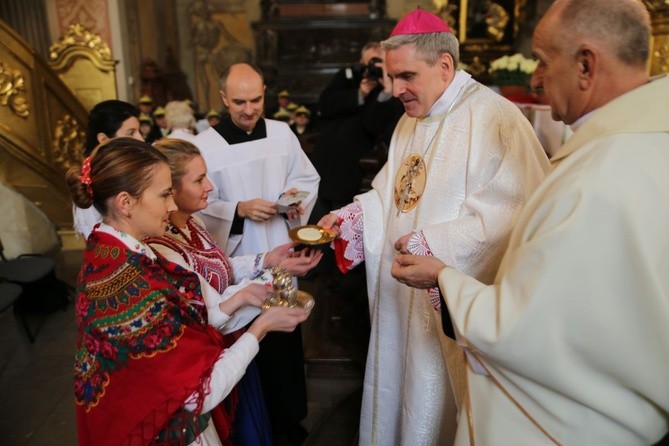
(85,176)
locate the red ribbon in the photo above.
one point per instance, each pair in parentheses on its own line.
(85,176)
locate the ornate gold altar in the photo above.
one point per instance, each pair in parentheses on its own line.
(489,29)
(486,29)
(84,62)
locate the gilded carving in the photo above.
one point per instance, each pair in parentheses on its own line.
(12,90)
(662,56)
(521,15)
(477,67)
(93,14)
(496,20)
(68,142)
(448,12)
(78,35)
(654,5)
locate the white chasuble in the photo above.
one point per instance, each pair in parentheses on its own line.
(482,162)
(574,331)
(263,168)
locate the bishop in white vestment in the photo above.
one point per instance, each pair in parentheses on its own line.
(455,178)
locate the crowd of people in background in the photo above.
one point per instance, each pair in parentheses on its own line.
(511,300)
(181,119)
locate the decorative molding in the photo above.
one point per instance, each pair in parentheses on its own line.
(521,15)
(12,91)
(68,142)
(656,5)
(477,68)
(93,14)
(79,37)
(662,56)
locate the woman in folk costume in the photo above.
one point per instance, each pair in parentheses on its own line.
(187,243)
(149,365)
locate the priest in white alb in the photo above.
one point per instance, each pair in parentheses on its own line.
(461,163)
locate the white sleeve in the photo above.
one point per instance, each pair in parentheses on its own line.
(244,315)
(221,321)
(246,267)
(216,318)
(227,371)
(85,219)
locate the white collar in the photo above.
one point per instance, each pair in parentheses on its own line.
(582,120)
(128,240)
(451,93)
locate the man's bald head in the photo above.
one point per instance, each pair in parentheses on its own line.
(622,25)
(589,53)
(243,93)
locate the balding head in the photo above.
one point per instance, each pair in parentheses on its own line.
(621,25)
(243,93)
(590,52)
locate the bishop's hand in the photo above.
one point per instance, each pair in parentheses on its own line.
(330,222)
(402,243)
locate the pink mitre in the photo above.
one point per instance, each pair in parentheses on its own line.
(420,22)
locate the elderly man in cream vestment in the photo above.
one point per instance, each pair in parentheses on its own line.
(571,341)
(462,161)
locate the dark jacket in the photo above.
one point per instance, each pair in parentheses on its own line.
(348,132)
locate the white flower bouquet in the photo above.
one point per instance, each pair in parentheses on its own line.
(512,70)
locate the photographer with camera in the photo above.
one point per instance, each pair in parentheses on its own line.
(357,113)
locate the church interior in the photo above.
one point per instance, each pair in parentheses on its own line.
(58,58)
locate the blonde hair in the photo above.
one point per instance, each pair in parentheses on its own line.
(179,115)
(178,153)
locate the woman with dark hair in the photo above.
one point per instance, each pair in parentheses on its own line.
(186,242)
(150,364)
(108,119)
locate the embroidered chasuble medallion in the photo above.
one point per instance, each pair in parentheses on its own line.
(410,183)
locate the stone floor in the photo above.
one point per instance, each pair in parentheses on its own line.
(36,400)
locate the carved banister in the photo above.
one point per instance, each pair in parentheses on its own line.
(41,128)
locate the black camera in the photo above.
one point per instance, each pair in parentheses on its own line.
(372,72)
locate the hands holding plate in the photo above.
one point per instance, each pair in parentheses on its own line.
(312,235)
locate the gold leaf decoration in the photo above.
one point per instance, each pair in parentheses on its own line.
(12,91)
(68,142)
(78,35)
(662,56)
(656,5)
